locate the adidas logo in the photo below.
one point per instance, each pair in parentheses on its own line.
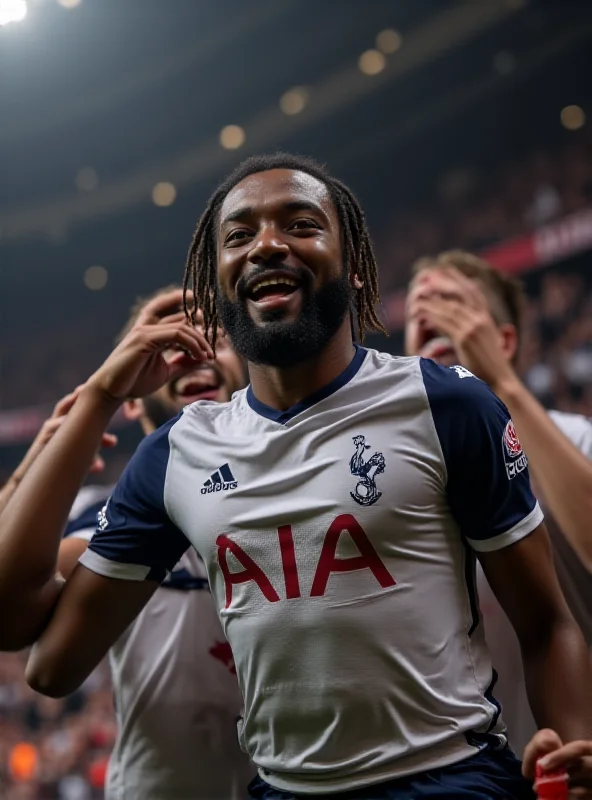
(219,481)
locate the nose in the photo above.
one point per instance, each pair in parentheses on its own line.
(268,245)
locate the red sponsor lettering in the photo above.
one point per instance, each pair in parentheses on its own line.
(328,563)
(251,571)
(289,565)
(368,558)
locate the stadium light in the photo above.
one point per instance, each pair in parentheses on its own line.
(371,62)
(389,41)
(573,118)
(232,137)
(164,194)
(12,11)
(95,278)
(294,100)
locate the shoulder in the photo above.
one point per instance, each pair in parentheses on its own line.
(456,388)
(206,416)
(576,427)
(146,472)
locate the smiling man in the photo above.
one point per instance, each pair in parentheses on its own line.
(174,683)
(342,561)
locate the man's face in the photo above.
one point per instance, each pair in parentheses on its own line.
(282,288)
(423,340)
(216,380)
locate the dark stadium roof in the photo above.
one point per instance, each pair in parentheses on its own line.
(139,91)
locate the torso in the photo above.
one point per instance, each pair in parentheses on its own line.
(342,557)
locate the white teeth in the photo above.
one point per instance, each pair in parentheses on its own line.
(273,281)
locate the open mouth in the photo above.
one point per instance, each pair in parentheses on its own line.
(203,385)
(272,289)
(437,347)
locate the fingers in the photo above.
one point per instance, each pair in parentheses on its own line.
(451,284)
(570,755)
(98,465)
(545,741)
(163,306)
(109,440)
(167,336)
(445,316)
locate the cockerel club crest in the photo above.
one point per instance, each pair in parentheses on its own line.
(366,492)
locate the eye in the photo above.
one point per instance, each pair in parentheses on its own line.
(237,235)
(303,224)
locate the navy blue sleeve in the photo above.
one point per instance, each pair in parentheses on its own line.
(135,538)
(86,520)
(488,485)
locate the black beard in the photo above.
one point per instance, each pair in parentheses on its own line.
(157,411)
(286,344)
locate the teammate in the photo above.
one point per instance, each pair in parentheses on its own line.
(341,556)
(462,311)
(445,295)
(176,694)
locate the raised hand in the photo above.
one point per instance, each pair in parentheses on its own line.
(138,367)
(454,305)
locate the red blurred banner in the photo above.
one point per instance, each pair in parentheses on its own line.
(547,245)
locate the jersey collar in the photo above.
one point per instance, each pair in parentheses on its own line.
(285,416)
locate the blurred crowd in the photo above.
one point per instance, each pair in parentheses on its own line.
(53,749)
(557,341)
(475,211)
(59,748)
(472,211)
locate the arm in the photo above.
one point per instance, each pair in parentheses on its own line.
(46,433)
(91,614)
(489,493)
(556,661)
(34,519)
(454,304)
(32,524)
(133,548)
(560,470)
(71,550)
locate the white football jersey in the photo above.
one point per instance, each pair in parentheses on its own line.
(576,583)
(176,694)
(339,540)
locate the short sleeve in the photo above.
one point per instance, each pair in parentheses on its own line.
(135,538)
(487,480)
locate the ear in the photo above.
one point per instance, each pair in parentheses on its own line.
(356,282)
(509,341)
(133,410)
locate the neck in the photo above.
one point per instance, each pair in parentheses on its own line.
(283,388)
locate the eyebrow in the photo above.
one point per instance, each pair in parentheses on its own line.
(292,205)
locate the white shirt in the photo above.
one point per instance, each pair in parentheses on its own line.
(177,699)
(339,541)
(576,583)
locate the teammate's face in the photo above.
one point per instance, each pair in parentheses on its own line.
(421,340)
(283,292)
(217,381)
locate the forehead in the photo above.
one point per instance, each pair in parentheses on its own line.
(268,191)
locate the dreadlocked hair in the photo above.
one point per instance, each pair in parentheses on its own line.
(201,266)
